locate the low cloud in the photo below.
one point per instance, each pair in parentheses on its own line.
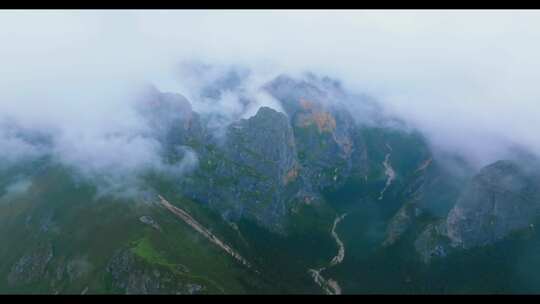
(466,79)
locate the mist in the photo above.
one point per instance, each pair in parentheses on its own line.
(466,79)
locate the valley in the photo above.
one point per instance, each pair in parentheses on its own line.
(330,286)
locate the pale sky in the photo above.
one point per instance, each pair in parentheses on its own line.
(467,79)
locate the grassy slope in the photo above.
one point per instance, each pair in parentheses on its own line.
(96,229)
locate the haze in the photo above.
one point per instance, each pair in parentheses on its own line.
(467,79)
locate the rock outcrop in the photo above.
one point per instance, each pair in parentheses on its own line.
(433,242)
(430,191)
(132,276)
(325,132)
(502,198)
(31,266)
(254,173)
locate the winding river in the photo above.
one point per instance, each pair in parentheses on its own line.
(388,171)
(330,286)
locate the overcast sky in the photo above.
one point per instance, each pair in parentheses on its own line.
(468,79)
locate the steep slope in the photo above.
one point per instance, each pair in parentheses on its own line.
(503,197)
(325,132)
(429,193)
(66,240)
(254,173)
(258,210)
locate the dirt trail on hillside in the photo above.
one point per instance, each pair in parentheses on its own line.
(188,219)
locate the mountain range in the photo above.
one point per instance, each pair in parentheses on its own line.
(314,197)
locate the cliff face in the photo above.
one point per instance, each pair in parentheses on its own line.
(171,119)
(259,168)
(430,192)
(325,132)
(264,142)
(503,197)
(325,145)
(266,165)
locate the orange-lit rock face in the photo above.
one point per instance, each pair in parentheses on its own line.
(291,175)
(306,104)
(325,121)
(316,115)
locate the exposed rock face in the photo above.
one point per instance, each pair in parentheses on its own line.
(77,268)
(263,167)
(432,242)
(71,270)
(271,162)
(148,220)
(401,222)
(430,191)
(265,142)
(290,91)
(261,156)
(31,266)
(324,144)
(254,173)
(501,198)
(171,119)
(324,131)
(134,277)
(266,165)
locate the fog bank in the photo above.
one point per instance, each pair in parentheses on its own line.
(467,79)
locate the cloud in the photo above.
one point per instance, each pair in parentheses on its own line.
(467,79)
(15,188)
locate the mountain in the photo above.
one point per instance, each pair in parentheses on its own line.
(315,197)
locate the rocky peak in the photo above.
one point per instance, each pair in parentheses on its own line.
(503,197)
(264,142)
(171,119)
(254,173)
(300,95)
(162,109)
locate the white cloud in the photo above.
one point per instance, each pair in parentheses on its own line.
(467,78)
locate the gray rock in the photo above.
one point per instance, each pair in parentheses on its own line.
(261,162)
(401,222)
(77,268)
(502,198)
(254,173)
(324,130)
(148,220)
(432,242)
(431,190)
(47,224)
(172,121)
(31,267)
(133,276)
